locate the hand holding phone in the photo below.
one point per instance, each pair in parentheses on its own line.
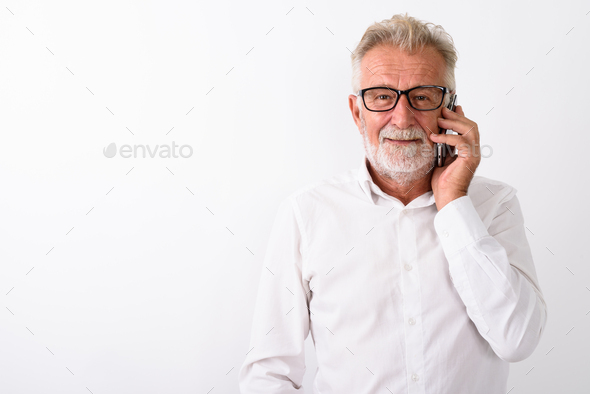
(441,149)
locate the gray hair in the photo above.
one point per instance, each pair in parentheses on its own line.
(410,35)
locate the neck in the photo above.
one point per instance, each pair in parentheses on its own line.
(404,193)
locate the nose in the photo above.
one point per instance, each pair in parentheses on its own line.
(403,114)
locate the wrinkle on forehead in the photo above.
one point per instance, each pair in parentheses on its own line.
(389,66)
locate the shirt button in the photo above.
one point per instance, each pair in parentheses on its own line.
(408,267)
(415,377)
(411,321)
(446,234)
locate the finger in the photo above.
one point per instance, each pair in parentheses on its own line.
(459,126)
(450,139)
(456,114)
(464,147)
(447,113)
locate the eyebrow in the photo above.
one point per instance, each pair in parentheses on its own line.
(384,86)
(392,88)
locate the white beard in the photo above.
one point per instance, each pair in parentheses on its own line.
(404,164)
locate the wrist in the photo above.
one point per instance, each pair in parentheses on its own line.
(444,200)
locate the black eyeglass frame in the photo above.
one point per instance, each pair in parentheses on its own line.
(361,93)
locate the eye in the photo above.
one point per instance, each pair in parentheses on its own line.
(383,97)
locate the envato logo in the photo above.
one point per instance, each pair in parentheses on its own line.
(463,150)
(163,151)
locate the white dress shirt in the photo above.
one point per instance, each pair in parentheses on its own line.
(398,299)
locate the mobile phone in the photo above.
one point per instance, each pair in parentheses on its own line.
(441,149)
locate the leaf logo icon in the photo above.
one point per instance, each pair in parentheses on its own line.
(110,151)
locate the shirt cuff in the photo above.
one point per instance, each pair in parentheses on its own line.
(458,224)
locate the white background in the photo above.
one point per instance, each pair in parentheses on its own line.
(139,275)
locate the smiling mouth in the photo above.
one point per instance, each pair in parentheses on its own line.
(402,142)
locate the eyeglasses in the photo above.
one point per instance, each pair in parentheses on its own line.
(421,98)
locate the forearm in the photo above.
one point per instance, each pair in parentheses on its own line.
(275,362)
(495,278)
(501,302)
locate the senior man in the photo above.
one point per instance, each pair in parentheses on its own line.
(411,278)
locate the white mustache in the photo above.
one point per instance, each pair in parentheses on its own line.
(394,133)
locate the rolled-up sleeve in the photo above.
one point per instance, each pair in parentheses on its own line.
(493,272)
(275,362)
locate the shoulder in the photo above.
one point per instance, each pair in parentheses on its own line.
(484,189)
(315,197)
(491,198)
(328,188)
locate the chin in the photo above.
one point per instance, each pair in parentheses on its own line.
(403,166)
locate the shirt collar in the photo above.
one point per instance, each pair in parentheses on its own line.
(372,191)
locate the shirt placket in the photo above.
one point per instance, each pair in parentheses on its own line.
(410,288)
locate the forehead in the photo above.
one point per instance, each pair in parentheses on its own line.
(386,65)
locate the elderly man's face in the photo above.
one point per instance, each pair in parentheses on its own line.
(383,132)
